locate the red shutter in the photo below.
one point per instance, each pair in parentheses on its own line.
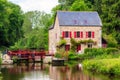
(75,35)
(70,34)
(81,34)
(93,33)
(86,34)
(63,34)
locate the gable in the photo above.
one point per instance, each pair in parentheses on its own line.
(78,18)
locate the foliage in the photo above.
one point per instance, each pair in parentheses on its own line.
(117,37)
(111,40)
(71,63)
(61,43)
(15,58)
(11,20)
(111,50)
(35,39)
(61,53)
(106,66)
(98,52)
(74,43)
(58,55)
(79,5)
(0,57)
(72,55)
(35,29)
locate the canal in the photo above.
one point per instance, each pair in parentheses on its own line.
(39,71)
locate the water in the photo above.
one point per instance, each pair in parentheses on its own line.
(39,71)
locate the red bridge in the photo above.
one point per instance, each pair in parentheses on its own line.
(27,54)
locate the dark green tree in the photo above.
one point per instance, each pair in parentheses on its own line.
(11,19)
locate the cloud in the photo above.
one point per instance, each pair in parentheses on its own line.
(40,5)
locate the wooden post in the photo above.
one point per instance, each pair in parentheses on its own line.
(41,58)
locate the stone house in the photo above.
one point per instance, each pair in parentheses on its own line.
(77,25)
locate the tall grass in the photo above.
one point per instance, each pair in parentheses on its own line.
(106,66)
(106,61)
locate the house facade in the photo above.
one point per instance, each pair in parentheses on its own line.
(77,25)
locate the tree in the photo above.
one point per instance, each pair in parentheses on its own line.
(109,11)
(36,25)
(79,5)
(11,19)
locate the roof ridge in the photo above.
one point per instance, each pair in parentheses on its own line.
(76,11)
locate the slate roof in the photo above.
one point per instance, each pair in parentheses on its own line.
(73,18)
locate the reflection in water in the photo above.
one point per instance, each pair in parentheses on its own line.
(67,73)
(39,71)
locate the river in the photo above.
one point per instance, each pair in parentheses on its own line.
(39,71)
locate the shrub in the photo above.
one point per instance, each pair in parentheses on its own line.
(94,52)
(58,55)
(72,55)
(106,66)
(15,58)
(111,50)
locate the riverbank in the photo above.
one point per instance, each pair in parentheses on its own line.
(105,66)
(105,61)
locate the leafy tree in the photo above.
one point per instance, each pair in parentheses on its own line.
(79,5)
(11,19)
(35,28)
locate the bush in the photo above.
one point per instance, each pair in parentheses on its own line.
(58,55)
(15,58)
(111,50)
(72,55)
(107,66)
(94,52)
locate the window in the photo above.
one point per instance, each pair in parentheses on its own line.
(66,34)
(89,45)
(89,34)
(67,47)
(78,34)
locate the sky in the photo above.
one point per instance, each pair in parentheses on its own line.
(32,5)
